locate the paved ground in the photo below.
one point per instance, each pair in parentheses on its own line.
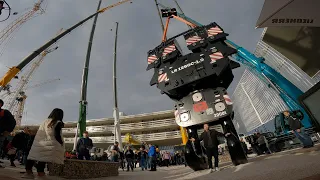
(301,164)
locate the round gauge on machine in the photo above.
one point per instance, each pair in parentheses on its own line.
(184,117)
(197,97)
(220,106)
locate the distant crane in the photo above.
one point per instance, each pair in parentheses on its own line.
(18,109)
(18,95)
(7,33)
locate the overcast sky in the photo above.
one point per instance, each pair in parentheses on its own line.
(139,31)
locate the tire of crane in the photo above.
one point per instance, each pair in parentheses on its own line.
(193,161)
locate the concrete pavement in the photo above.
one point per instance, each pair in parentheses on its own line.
(300,164)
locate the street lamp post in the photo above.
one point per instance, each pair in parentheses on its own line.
(115,109)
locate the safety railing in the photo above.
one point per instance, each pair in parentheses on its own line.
(284,66)
(129,126)
(140,137)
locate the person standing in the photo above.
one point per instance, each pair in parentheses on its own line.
(20,142)
(48,145)
(166,158)
(7,121)
(298,130)
(152,157)
(142,157)
(129,154)
(84,146)
(115,152)
(7,125)
(211,142)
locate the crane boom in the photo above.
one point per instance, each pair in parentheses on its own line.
(7,33)
(25,79)
(13,71)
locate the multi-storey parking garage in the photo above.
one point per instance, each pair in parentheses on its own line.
(157,128)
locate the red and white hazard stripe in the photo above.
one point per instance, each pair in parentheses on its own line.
(214,31)
(216,56)
(163,77)
(168,50)
(193,39)
(227,99)
(151,59)
(176,115)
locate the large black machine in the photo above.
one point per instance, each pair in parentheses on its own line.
(197,82)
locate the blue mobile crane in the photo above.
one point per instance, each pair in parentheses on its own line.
(173,71)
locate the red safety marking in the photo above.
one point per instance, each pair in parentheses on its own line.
(227,99)
(163,77)
(200,106)
(168,50)
(216,56)
(214,31)
(193,39)
(151,59)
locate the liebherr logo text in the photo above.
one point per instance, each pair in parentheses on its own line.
(187,65)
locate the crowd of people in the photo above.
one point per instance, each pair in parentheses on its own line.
(148,156)
(37,148)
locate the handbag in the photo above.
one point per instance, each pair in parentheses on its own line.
(12,151)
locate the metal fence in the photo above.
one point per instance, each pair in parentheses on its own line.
(255,103)
(140,137)
(128,126)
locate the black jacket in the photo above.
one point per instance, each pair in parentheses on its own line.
(7,121)
(20,141)
(84,145)
(129,154)
(214,137)
(143,154)
(294,123)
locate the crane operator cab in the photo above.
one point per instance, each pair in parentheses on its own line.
(197,83)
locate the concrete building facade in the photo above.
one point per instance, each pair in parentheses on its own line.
(157,128)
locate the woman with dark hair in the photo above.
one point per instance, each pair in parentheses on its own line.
(48,145)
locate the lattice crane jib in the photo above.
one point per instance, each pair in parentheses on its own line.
(8,32)
(16,100)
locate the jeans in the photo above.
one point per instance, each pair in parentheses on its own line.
(303,137)
(84,155)
(129,164)
(143,163)
(114,158)
(212,152)
(148,162)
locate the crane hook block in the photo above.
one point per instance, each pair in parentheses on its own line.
(168,12)
(8,76)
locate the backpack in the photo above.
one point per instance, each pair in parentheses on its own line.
(7,121)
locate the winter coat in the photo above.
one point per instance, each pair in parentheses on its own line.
(294,123)
(214,138)
(45,147)
(129,154)
(20,141)
(152,152)
(84,145)
(7,121)
(142,154)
